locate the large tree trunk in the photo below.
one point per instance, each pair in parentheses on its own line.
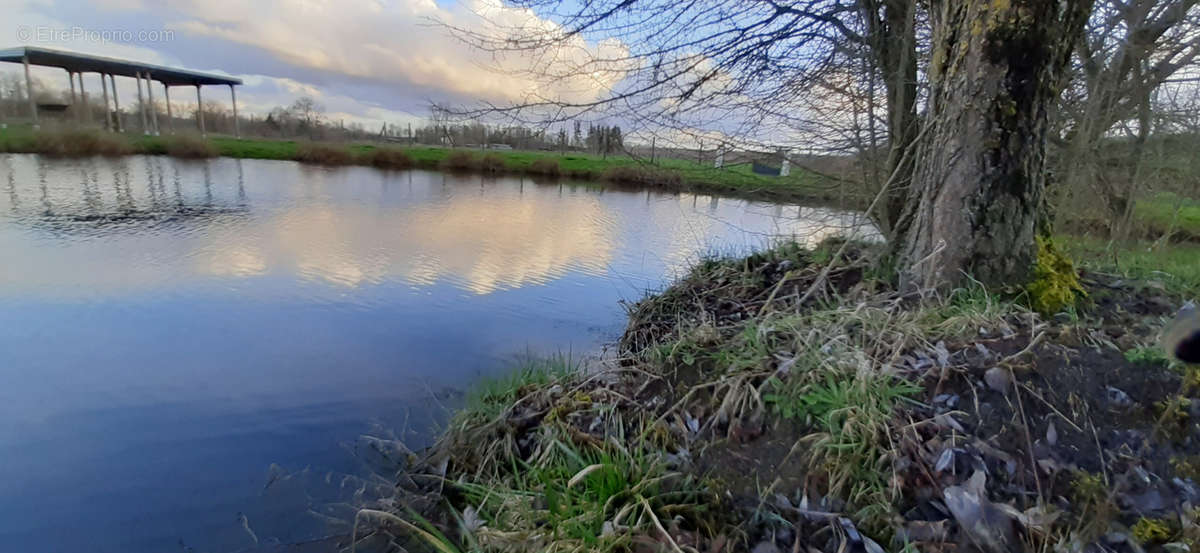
(979,179)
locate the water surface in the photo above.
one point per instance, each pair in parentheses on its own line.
(171,329)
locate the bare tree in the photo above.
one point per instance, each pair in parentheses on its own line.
(758,71)
(307,112)
(1130,48)
(891,35)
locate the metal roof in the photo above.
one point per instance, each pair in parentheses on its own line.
(72,61)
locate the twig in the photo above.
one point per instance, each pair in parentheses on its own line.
(1028,438)
(659,525)
(774,290)
(1032,343)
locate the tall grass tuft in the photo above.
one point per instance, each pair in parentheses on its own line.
(323,154)
(491,396)
(80,143)
(458,160)
(387,158)
(645,176)
(545,167)
(492,163)
(189,146)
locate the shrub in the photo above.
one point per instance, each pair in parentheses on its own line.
(492,163)
(80,143)
(643,175)
(459,160)
(387,158)
(545,166)
(189,146)
(323,154)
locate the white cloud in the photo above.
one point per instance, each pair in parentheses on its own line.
(397,44)
(366,60)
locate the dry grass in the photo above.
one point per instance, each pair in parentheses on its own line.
(544,167)
(458,160)
(766,392)
(601,460)
(80,143)
(323,154)
(556,460)
(387,158)
(643,176)
(492,164)
(189,146)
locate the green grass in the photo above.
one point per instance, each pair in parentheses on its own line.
(1176,265)
(565,492)
(567,495)
(490,396)
(1147,355)
(666,173)
(1168,212)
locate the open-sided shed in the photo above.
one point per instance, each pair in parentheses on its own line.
(76,64)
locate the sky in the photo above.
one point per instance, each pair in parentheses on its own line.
(365,61)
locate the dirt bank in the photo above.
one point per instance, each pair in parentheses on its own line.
(770,403)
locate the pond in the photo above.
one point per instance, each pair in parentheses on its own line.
(176,336)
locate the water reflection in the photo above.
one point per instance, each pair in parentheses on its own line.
(417,228)
(91,196)
(170,329)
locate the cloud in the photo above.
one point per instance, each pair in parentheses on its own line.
(364,59)
(397,44)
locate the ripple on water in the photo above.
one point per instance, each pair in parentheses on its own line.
(171,329)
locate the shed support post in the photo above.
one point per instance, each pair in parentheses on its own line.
(74,102)
(108,124)
(29,92)
(142,104)
(87,109)
(112,81)
(200,111)
(233,96)
(167,99)
(153,108)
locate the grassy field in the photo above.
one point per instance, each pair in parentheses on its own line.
(1167,212)
(1175,265)
(737,180)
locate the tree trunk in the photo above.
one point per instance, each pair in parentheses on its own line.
(979,179)
(891,33)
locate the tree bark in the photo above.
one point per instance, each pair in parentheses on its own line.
(979,179)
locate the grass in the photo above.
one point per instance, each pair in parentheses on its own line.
(668,173)
(490,396)
(743,397)
(318,153)
(1166,212)
(189,146)
(545,167)
(457,161)
(75,143)
(387,157)
(492,164)
(642,176)
(594,498)
(822,364)
(554,488)
(1175,265)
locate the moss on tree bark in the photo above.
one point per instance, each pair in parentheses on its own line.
(980,176)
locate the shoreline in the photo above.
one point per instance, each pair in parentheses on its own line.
(668,174)
(753,406)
